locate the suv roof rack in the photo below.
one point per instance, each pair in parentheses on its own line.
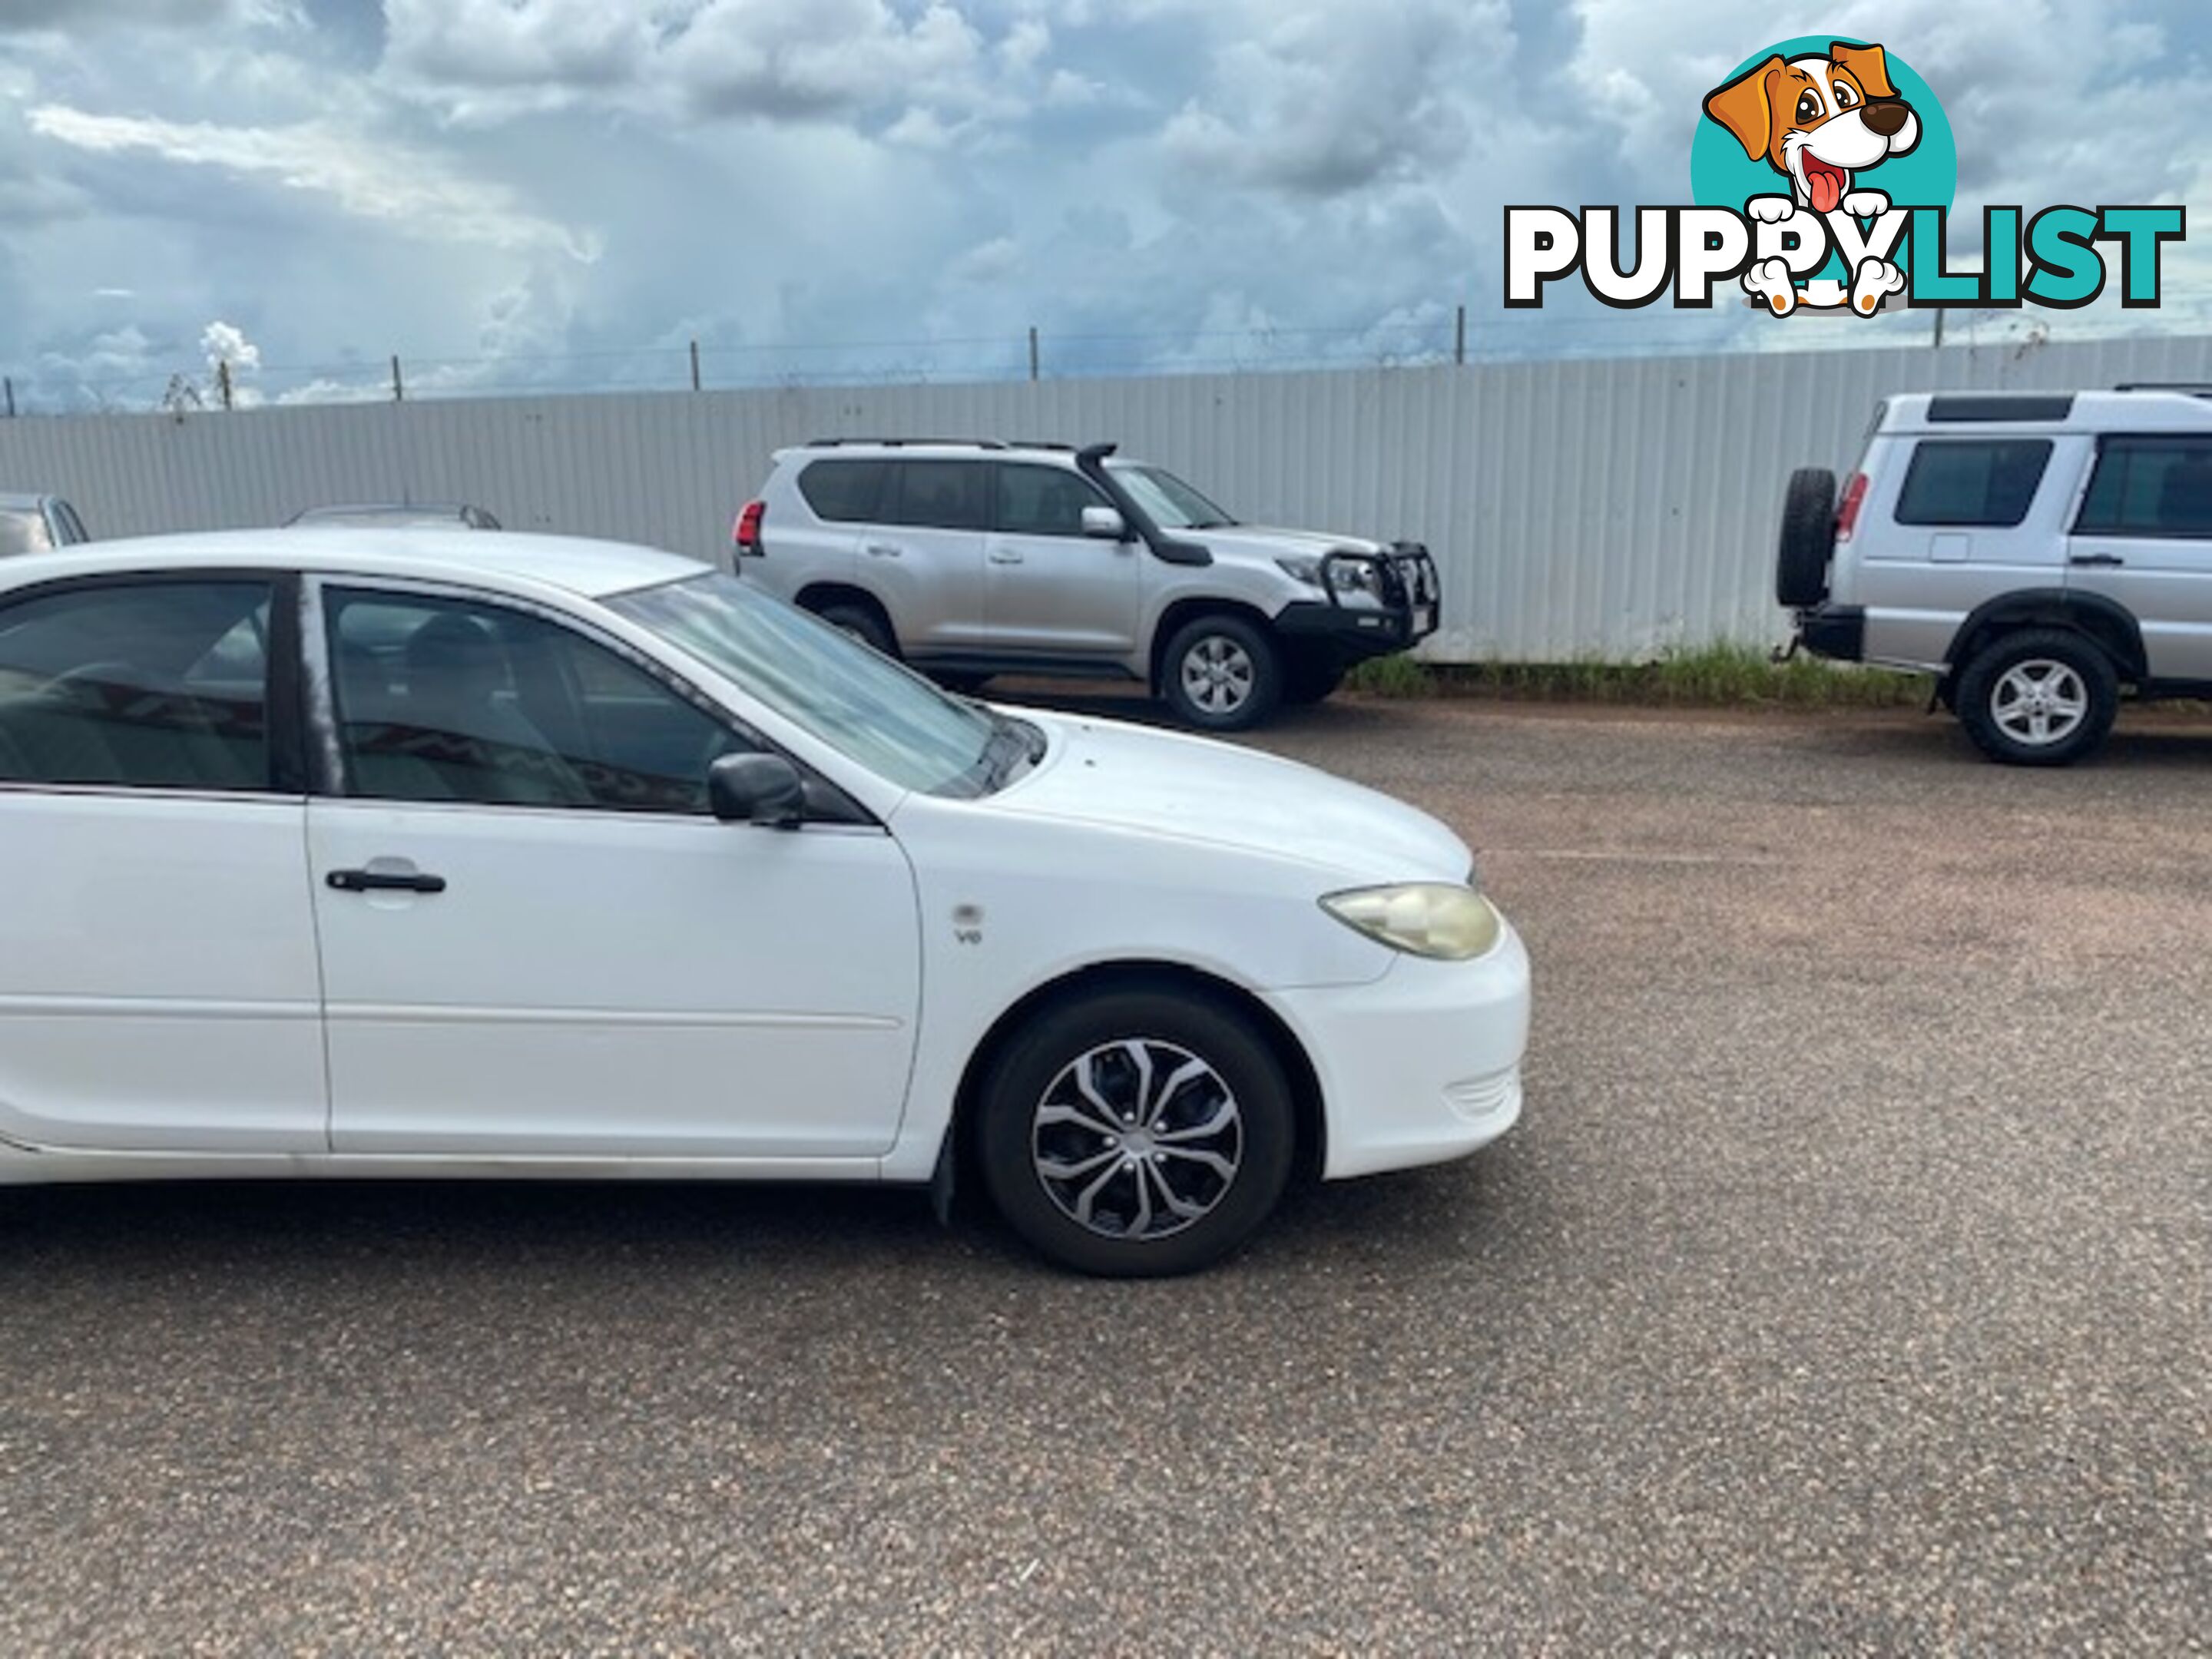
(2187,388)
(909,443)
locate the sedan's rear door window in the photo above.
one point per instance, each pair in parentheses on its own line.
(158,684)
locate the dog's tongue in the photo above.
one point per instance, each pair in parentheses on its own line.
(1826,185)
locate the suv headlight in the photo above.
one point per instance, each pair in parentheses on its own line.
(1427,918)
(1346,575)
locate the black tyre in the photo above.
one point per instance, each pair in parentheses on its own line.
(863,621)
(1136,1133)
(1311,680)
(1222,673)
(1809,538)
(2044,696)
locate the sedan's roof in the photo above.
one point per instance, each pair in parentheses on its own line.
(592,569)
(16,500)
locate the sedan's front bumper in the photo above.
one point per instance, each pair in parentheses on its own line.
(1418,1066)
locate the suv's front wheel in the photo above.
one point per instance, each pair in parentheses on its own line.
(2040,697)
(1222,673)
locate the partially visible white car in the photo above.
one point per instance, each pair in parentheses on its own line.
(437,853)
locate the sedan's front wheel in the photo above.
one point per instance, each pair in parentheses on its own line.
(1137,1134)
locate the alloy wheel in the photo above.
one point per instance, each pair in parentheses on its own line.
(1218,674)
(1137,1139)
(2040,700)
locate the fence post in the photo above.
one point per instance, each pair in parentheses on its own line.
(398,392)
(694,365)
(1939,328)
(222,380)
(1033,351)
(1459,339)
(11,396)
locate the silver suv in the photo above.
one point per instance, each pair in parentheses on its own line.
(971,559)
(2039,553)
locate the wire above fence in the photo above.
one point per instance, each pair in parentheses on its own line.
(1440,335)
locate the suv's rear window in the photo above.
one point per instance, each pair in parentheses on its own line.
(2150,487)
(937,494)
(1972,481)
(843,492)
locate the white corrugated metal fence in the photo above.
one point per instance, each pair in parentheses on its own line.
(1577,509)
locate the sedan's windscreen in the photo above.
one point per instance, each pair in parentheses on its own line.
(23,532)
(865,706)
(1168,502)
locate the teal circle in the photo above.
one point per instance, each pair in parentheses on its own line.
(1723,176)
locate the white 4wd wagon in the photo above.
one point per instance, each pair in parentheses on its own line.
(972,559)
(2039,553)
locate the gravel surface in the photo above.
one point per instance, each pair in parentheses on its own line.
(1846,1288)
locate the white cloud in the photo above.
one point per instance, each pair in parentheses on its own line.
(778,60)
(362,177)
(17,16)
(226,343)
(1319,100)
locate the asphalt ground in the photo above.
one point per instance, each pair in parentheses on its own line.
(1847,1288)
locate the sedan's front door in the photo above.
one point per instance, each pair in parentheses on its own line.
(158,985)
(536,941)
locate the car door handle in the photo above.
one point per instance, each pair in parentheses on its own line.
(1005,555)
(2108,560)
(385,881)
(884,550)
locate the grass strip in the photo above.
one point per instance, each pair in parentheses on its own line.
(1725,676)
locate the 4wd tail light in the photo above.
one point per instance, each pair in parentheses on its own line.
(1847,511)
(746,532)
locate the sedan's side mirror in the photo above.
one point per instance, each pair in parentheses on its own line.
(763,789)
(1105,523)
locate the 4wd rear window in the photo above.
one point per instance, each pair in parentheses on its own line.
(1971,481)
(2150,487)
(938,495)
(844,492)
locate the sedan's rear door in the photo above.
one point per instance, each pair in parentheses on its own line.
(158,977)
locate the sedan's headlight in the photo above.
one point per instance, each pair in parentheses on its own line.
(1427,918)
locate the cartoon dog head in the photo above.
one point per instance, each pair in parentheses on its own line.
(1818,120)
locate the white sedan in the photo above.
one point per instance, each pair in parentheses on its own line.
(359,852)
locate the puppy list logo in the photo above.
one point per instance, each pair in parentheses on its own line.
(1823,173)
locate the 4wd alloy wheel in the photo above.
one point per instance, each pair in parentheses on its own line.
(1217,675)
(1222,673)
(2041,697)
(2039,701)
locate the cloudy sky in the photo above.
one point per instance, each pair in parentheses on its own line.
(515,193)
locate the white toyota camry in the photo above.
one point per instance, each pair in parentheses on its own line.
(428,853)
